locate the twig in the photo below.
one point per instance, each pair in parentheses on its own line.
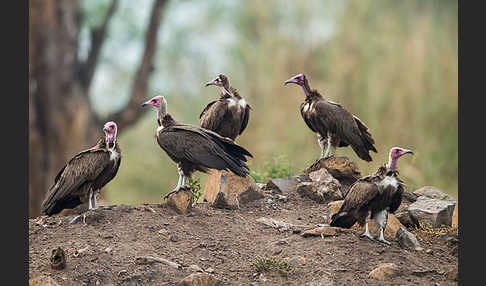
(149,260)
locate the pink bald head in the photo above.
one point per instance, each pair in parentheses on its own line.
(110,130)
(395,153)
(155,101)
(298,79)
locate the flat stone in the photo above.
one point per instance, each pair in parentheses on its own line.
(385,272)
(42,281)
(181,201)
(270,222)
(322,231)
(226,190)
(296,260)
(406,239)
(200,279)
(285,185)
(434,212)
(433,193)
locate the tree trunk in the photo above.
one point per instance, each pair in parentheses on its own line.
(61,119)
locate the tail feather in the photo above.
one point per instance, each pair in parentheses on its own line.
(342,219)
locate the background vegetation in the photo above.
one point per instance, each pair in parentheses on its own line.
(392,63)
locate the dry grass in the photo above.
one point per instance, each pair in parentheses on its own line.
(427,232)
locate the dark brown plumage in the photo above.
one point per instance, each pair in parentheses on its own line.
(333,123)
(196,149)
(228,116)
(373,197)
(82,177)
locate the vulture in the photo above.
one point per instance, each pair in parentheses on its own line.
(81,179)
(372,197)
(334,125)
(227,116)
(194,148)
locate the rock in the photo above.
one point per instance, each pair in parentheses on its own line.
(227,190)
(321,231)
(333,208)
(429,251)
(210,270)
(181,201)
(280,225)
(406,219)
(455,216)
(255,284)
(341,168)
(296,260)
(42,281)
(286,185)
(282,198)
(58,259)
(433,193)
(385,271)
(199,279)
(174,238)
(323,188)
(434,212)
(406,239)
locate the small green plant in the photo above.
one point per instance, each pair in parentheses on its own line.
(263,264)
(195,185)
(278,168)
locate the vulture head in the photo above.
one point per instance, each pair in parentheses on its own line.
(395,153)
(160,104)
(301,80)
(110,132)
(222,82)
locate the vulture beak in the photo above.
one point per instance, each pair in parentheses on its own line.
(146,103)
(291,80)
(104,129)
(405,151)
(210,83)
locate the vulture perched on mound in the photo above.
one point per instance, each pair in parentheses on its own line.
(334,125)
(194,148)
(227,116)
(373,196)
(81,179)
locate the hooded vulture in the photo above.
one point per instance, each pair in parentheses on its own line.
(373,196)
(194,148)
(81,179)
(227,116)
(334,125)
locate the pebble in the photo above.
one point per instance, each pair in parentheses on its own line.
(149,226)
(210,270)
(235,220)
(255,284)
(191,214)
(174,238)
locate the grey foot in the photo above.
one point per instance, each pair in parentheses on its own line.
(176,190)
(368,235)
(384,241)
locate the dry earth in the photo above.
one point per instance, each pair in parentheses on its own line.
(226,243)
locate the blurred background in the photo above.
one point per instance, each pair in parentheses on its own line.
(394,64)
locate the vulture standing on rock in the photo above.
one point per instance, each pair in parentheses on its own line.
(372,197)
(194,148)
(81,179)
(227,116)
(333,124)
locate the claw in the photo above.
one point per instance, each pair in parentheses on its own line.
(368,235)
(384,241)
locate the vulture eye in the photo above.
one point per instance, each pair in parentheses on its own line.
(396,150)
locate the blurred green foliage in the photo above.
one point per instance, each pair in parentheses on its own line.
(394,64)
(279,167)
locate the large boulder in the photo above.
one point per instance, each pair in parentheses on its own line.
(224,189)
(322,189)
(286,185)
(433,193)
(435,212)
(402,213)
(341,168)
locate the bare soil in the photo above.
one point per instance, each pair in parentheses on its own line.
(227,243)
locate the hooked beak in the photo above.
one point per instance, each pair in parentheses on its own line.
(105,129)
(210,83)
(291,80)
(407,152)
(146,103)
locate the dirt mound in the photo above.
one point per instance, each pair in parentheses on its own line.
(229,244)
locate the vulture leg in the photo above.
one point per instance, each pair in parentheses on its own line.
(180,183)
(367,232)
(90,207)
(328,147)
(321,142)
(381,220)
(95,199)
